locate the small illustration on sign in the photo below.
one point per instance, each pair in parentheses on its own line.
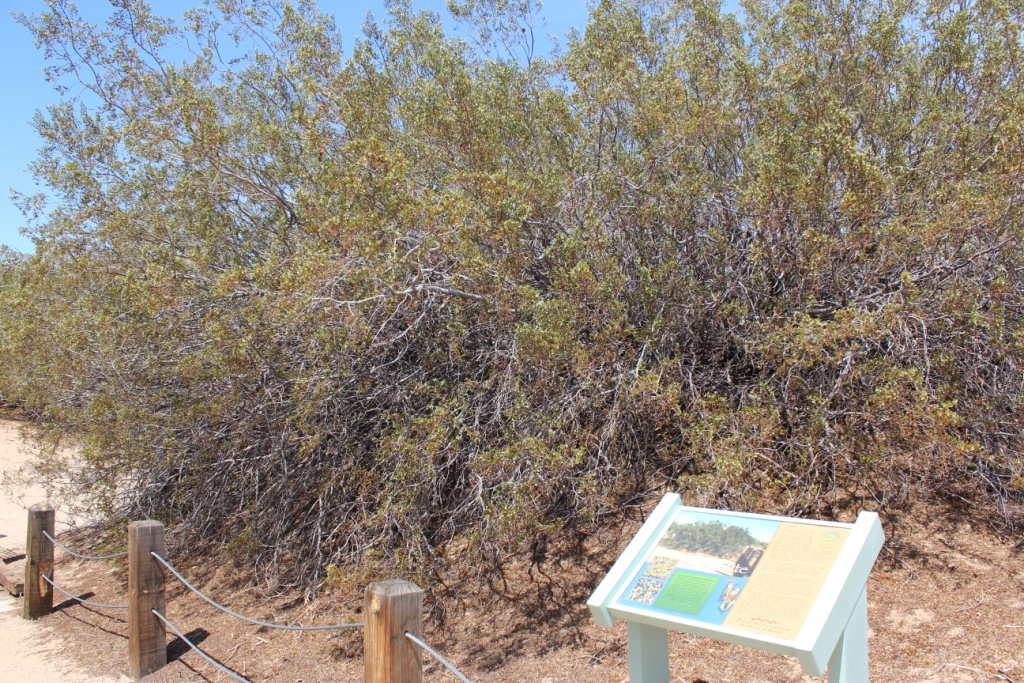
(829,539)
(645,591)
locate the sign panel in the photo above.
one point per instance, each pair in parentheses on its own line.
(779,584)
(748,573)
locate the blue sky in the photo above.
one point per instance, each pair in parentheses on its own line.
(26,90)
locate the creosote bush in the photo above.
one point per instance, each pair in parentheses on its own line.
(442,297)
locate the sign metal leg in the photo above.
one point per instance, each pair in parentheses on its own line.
(849,661)
(648,653)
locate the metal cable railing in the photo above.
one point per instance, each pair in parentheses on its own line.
(437,657)
(202,654)
(242,616)
(69,551)
(81,600)
(147,540)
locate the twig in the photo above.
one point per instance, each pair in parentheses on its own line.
(232,653)
(977,671)
(977,604)
(406,292)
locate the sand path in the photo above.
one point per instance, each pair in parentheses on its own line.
(697,561)
(30,651)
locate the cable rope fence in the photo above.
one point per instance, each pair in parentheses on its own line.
(283,627)
(69,551)
(391,608)
(197,649)
(437,657)
(46,578)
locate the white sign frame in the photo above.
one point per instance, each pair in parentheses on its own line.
(835,632)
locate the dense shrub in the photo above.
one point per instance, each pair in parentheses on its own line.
(448,296)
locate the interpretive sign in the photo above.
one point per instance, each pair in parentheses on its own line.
(780,584)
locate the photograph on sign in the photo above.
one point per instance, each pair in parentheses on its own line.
(756,574)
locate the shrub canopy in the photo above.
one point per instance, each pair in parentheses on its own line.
(711,537)
(442,294)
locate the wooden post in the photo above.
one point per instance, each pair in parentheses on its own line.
(391,608)
(849,661)
(147,641)
(38,562)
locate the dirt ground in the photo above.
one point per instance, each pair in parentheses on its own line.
(950,608)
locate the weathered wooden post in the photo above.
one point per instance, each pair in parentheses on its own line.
(390,609)
(38,562)
(147,640)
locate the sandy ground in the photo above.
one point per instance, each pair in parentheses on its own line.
(698,562)
(948,607)
(30,652)
(12,508)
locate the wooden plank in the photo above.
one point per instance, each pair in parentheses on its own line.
(12,571)
(12,577)
(7,556)
(147,641)
(391,608)
(38,562)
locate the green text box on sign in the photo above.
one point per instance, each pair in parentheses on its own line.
(686,592)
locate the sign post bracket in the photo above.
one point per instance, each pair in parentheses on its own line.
(849,661)
(648,653)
